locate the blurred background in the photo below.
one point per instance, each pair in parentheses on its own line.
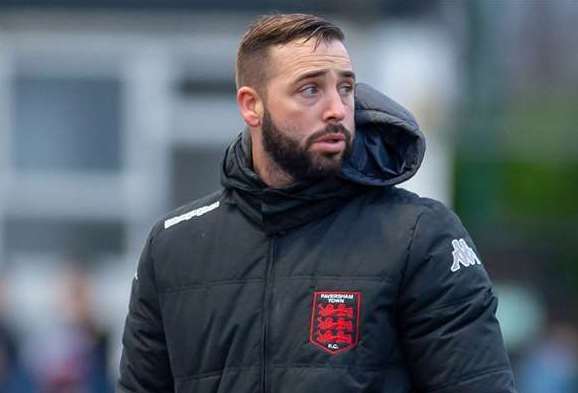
(113,112)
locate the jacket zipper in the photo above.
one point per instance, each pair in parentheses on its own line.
(266,309)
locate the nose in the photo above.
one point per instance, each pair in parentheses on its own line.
(335,109)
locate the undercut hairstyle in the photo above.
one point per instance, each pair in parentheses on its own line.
(277,29)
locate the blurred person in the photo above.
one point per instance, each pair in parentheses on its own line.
(71,355)
(13,377)
(311,271)
(8,356)
(8,351)
(551,365)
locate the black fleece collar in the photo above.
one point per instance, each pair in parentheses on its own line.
(278,209)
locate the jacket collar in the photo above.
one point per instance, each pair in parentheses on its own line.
(278,209)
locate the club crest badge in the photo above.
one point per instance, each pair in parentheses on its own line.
(335,320)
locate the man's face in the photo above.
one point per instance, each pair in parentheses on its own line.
(308,123)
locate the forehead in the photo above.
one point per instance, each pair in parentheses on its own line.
(290,60)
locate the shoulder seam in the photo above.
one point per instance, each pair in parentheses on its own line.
(408,252)
(198,212)
(191,208)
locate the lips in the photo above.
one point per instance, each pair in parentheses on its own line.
(331,138)
(333,143)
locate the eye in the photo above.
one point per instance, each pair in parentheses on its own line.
(309,91)
(346,89)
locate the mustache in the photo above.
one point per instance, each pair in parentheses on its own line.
(333,128)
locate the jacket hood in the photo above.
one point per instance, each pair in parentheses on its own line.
(388,147)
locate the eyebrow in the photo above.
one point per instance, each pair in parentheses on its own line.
(315,74)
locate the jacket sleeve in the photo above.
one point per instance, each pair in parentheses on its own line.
(144,365)
(449,333)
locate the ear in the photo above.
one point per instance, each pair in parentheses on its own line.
(250,105)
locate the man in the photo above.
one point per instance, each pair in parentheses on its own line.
(311,271)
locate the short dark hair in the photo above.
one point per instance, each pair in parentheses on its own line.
(277,29)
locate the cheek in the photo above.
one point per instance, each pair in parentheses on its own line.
(299,122)
(293,127)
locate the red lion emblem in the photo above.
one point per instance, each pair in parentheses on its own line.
(335,320)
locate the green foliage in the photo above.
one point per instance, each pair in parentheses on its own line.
(517,182)
(540,190)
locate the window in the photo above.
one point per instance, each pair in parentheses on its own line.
(67,237)
(66,124)
(195,172)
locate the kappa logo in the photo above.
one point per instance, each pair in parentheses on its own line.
(463,255)
(335,320)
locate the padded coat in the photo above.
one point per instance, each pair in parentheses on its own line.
(344,285)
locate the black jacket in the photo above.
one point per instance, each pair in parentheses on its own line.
(347,285)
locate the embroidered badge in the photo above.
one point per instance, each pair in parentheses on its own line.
(335,320)
(463,255)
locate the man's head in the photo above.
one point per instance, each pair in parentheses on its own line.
(295,88)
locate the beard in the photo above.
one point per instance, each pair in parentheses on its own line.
(296,158)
